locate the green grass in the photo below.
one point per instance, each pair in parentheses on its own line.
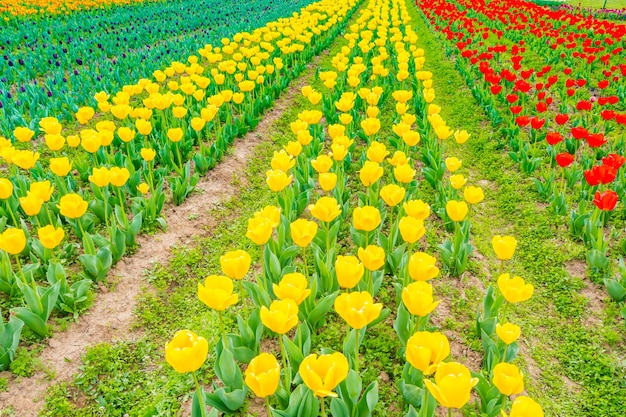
(610,4)
(573,367)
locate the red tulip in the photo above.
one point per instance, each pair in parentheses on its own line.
(595,140)
(511,98)
(553,138)
(600,174)
(613,160)
(603,84)
(584,105)
(561,119)
(541,107)
(564,159)
(522,121)
(605,201)
(579,132)
(537,123)
(516,109)
(607,114)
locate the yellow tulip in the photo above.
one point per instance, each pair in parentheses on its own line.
(370,126)
(457,181)
(147,154)
(402,96)
(457,210)
(84,115)
(461,136)
(13,241)
(426,350)
(263,375)
(23,134)
(349,271)
(357,308)
(54,142)
(277,180)
(504,246)
(50,236)
(72,206)
(366,218)
(100,177)
(328,181)
(60,166)
(411,229)
(292,286)
(453,163)
(42,189)
(473,195)
(443,132)
(293,148)
(508,379)
(404,173)
(31,204)
(422,267)
(453,383)
(508,332)
(514,290)
(303,231)
(259,230)
(143,188)
(175,134)
(418,298)
(6,188)
(373,257)
(326,209)
(370,173)
(322,374)
(187,351)
(411,138)
(119,176)
(336,130)
(271,213)
(197,123)
(235,264)
(338,151)
(392,194)
(322,164)
(377,152)
(345,118)
(143,126)
(90,140)
(217,292)
(126,134)
(25,159)
(281,317)
(282,161)
(398,158)
(525,407)
(416,209)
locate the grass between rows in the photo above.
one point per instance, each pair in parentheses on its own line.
(573,353)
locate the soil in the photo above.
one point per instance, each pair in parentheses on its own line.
(110,319)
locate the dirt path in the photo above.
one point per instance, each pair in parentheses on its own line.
(111,317)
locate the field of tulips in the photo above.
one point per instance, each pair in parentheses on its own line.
(371,262)
(557,92)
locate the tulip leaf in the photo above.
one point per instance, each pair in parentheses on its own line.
(227,370)
(383,315)
(259,296)
(32,321)
(317,315)
(338,408)
(616,290)
(9,339)
(369,400)
(293,351)
(412,394)
(402,324)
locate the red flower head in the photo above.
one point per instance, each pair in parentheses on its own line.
(516,109)
(495,89)
(571,92)
(605,201)
(579,132)
(607,114)
(584,105)
(564,159)
(553,138)
(613,160)
(600,174)
(595,140)
(581,82)
(603,84)
(537,123)
(561,119)
(541,107)
(522,121)
(511,98)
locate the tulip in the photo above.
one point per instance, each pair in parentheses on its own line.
(418,298)
(473,195)
(508,379)
(217,292)
(25,159)
(461,136)
(453,163)
(72,206)
(411,229)
(119,176)
(504,246)
(187,351)
(322,164)
(349,271)
(416,209)
(508,332)
(328,181)
(392,194)
(282,161)
(525,407)
(277,180)
(235,264)
(302,232)
(292,286)
(6,188)
(60,166)
(321,374)
(377,152)
(143,188)
(263,375)
(54,142)
(426,350)
(370,126)
(357,308)
(456,210)
(399,158)
(453,383)
(457,181)
(23,134)
(259,230)
(50,236)
(370,173)
(422,267)
(13,241)
(404,173)
(281,317)
(605,201)
(271,213)
(100,177)
(293,148)
(366,218)
(31,204)
(514,290)
(326,209)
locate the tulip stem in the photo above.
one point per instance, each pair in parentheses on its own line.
(304,259)
(506,348)
(200,395)
(283,354)
(501,267)
(243,301)
(82,230)
(267,405)
(12,214)
(323,407)
(356,351)
(449,412)
(222,331)
(19,266)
